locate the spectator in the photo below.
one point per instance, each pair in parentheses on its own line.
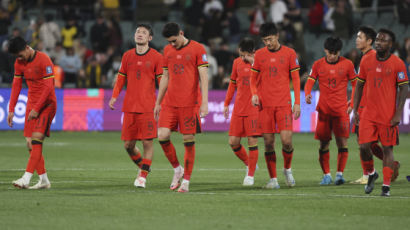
(354,56)
(212,28)
(287,32)
(58,75)
(328,19)
(114,34)
(93,76)
(257,18)
(212,5)
(71,65)
(57,52)
(342,18)
(111,9)
(69,33)
(32,33)
(4,25)
(16,32)
(233,24)
(193,16)
(6,65)
(99,35)
(294,14)
(316,17)
(50,33)
(213,67)
(277,11)
(403,9)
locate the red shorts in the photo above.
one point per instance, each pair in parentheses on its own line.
(244,126)
(327,123)
(42,123)
(138,126)
(274,119)
(370,131)
(184,119)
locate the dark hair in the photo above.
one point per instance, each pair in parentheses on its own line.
(369,32)
(389,32)
(247,45)
(170,29)
(16,45)
(146,26)
(268,29)
(333,44)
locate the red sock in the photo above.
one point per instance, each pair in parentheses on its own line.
(253,159)
(324,161)
(170,152)
(387,174)
(240,152)
(377,150)
(369,166)
(270,158)
(363,167)
(287,158)
(40,166)
(189,159)
(145,165)
(342,159)
(137,158)
(35,155)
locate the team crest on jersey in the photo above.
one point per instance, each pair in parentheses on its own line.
(188,57)
(401,75)
(148,64)
(204,58)
(341,71)
(282,60)
(388,71)
(49,69)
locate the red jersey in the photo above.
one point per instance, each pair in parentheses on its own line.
(382,79)
(139,71)
(182,65)
(273,78)
(363,100)
(39,76)
(333,79)
(240,79)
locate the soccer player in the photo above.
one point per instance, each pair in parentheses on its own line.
(333,73)
(270,89)
(140,67)
(185,67)
(37,68)
(244,120)
(383,73)
(364,41)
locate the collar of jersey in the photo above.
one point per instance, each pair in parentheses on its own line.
(143,53)
(274,51)
(34,56)
(334,63)
(189,41)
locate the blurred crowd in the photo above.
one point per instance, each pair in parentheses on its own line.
(91,58)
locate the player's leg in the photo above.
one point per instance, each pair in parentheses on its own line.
(252,160)
(324,157)
(133,152)
(270,158)
(189,160)
(145,163)
(342,156)
(388,137)
(238,149)
(287,153)
(363,179)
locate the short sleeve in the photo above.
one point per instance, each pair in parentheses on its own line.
(256,65)
(293,62)
(351,73)
(159,65)
(234,74)
(47,68)
(165,59)
(124,66)
(401,73)
(362,72)
(314,71)
(18,73)
(201,56)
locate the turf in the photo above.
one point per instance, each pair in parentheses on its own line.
(92,188)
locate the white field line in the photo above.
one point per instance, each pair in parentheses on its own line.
(273,194)
(153,169)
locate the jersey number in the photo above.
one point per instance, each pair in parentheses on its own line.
(377,82)
(273,71)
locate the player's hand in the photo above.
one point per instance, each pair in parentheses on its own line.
(308,99)
(349,109)
(296,111)
(226,112)
(255,100)
(396,119)
(32,115)
(356,118)
(10,119)
(111,103)
(203,111)
(157,109)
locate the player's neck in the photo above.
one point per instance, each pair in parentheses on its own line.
(275,48)
(366,49)
(142,49)
(383,56)
(32,54)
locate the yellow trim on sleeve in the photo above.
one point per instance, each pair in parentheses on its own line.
(403,83)
(255,70)
(203,65)
(295,69)
(52,76)
(361,80)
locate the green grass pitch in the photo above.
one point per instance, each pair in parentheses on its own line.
(92,188)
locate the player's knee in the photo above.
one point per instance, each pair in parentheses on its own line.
(287,146)
(269,147)
(129,146)
(234,143)
(163,134)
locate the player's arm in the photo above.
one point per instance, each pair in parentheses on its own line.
(255,78)
(15,91)
(203,77)
(296,89)
(350,104)
(308,89)
(47,86)
(163,86)
(403,90)
(228,98)
(356,99)
(119,84)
